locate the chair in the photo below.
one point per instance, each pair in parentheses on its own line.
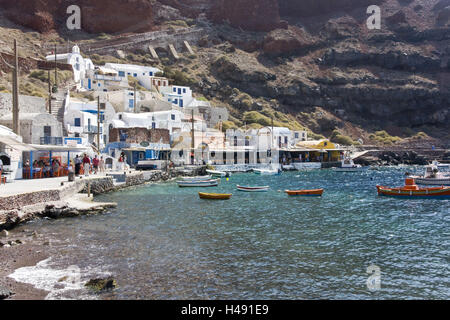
(2,178)
(37,174)
(26,173)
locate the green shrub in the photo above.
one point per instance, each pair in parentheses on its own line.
(179,77)
(421,135)
(383,137)
(338,137)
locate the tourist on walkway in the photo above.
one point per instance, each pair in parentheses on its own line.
(102,165)
(86,165)
(95,163)
(78,163)
(121,163)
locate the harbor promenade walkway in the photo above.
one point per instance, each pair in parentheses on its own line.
(34,185)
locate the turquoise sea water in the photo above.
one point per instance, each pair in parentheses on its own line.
(163,242)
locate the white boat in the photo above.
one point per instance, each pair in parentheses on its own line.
(194,184)
(347,165)
(440,166)
(433,176)
(216,173)
(201,178)
(267,172)
(253,189)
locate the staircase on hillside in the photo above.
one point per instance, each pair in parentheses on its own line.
(58,107)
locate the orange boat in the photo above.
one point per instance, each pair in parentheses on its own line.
(411,190)
(305,193)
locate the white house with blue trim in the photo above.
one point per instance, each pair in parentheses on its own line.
(80,121)
(103,79)
(142,73)
(177,95)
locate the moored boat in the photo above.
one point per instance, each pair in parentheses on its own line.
(347,165)
(201,178)
(305,193)
(432,176)
(253,189)
(193,184)
(268,172)
(440,166)
(215,196)
(217,173)
(411,190)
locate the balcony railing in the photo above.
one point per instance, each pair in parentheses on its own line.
(107,78)
(54,141)
(92,129)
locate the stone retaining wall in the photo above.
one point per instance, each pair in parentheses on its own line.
(99,186)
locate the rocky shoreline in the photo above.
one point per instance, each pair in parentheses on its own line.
(398,157)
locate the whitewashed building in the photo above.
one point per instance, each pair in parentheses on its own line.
(177,95)
(143,74)
(80,121)
(79,64)
(175,121)
(103,79)
(37,128)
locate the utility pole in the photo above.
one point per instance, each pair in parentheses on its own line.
(49,94)
(56,69)
(15,95)
(271,143)
(135,98)
(98,124)
(193,138)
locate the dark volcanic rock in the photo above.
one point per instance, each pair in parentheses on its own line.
(99,285)
(282,41)
(253,15)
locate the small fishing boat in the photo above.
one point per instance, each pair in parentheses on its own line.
(440,166)
(305,193)
(347,165)
(253,189)
(432,176)
(216,173)
(267,172)
(411,190)
(194,184)
(202,178)
(214,196)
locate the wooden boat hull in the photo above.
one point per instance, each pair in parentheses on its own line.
(425,193)
(198,184)
(253,189)
(214,196)
(305,193)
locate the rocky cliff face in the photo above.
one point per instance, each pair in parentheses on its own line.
(253,15)
(300,53)
(97,16)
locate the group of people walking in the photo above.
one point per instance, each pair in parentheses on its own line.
(89,165)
